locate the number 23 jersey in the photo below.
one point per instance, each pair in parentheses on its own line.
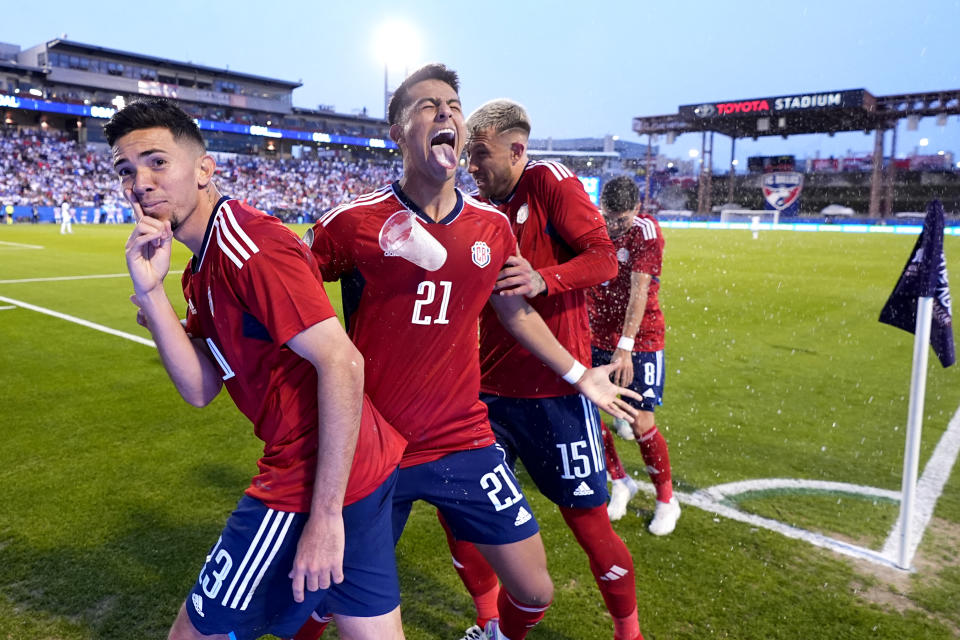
(418,329)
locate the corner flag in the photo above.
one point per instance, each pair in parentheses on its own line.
(925,276)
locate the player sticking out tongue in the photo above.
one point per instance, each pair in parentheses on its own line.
(442,147)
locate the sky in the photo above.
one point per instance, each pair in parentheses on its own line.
(581,70)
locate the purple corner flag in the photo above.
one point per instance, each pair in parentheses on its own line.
(925,276)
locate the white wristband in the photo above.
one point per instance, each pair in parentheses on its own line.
(625,343)
(575,373)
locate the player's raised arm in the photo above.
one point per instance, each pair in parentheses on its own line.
(526,325)
(187,362)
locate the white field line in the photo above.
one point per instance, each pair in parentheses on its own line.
(80,321)
(20,245)
(929,487)
(66,278)
(7,307)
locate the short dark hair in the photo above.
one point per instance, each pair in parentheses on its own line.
(619,194)
(148,113)
(432,71)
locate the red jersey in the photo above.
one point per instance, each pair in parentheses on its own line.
(563,236)
(639,250)
(253,286)
(417,329)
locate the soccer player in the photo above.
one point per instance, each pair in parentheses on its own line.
(628,331)
(314,526)
(563,248)
(66,218)
(417,328)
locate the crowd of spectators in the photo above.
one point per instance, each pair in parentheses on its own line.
(45,168)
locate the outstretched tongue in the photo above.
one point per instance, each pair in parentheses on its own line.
(443,154)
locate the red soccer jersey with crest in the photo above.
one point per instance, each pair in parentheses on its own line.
(254,286)
(554,221)
(417,329)
(639,250)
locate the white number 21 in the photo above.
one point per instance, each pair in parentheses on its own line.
(428,292)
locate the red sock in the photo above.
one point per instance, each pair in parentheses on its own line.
(516,618)
(313,628)
(475,573)
(610,453)
(627,628)
(610,560)
(653,448)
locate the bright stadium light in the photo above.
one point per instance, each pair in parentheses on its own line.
(693,153)
(397,46)
(924,142)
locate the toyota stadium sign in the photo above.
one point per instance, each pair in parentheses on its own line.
(778,105)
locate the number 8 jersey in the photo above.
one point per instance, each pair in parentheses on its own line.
(418,329)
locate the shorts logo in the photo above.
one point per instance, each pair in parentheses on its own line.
(480,253)
(583,490)
(523,516)
(198,604)
(523,213)
(190,306)
(649,394)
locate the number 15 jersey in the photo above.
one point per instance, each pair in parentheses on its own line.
(418,329)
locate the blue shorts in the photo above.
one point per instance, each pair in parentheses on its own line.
(244,589)
(648,371)
(558,440)
(476,492)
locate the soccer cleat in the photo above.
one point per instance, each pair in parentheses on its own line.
(665,517)
(474,633)
(621,493)
(624,430)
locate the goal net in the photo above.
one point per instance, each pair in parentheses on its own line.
(748,215)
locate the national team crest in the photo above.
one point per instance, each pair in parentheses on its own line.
(523,213)
(480,254)
(781,191)
(623,254)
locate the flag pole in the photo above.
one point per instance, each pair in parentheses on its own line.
(911,454)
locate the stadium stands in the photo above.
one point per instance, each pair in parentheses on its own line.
(43,167)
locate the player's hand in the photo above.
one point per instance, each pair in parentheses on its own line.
(595,384)
(519,278)
(623,367)
(319,560)
(148,250)
(141,316)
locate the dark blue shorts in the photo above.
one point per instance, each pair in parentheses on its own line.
(475,491)
(244,589)
(648,372)
(558,440)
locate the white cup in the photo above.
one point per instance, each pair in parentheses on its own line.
(403,236)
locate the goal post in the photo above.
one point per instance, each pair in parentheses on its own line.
(748,215)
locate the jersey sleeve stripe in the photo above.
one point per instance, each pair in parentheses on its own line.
(375,197)
(549,166)
(227,251)
(224,227)
(235,227)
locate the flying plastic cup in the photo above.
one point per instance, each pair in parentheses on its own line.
(403,236)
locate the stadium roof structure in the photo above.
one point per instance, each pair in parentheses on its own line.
(166,62)
(825,112)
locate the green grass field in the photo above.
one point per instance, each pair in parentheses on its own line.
(777,368)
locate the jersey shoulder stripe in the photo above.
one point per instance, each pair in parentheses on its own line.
(231,238)
(559,171)
(647,228)
(484,206)
(373,197)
